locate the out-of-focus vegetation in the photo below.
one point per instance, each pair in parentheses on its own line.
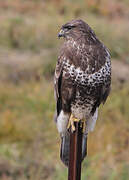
(29,142)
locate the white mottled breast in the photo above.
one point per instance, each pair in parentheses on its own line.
(83,77)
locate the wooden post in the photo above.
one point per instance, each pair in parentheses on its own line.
(75,155)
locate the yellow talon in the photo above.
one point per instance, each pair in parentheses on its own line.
(72,119)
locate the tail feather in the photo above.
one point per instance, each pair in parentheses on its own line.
(65,148)
(84,146)
(64,151)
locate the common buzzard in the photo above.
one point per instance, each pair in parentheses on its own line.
(82,81)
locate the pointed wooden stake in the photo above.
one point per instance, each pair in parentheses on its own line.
(75,155)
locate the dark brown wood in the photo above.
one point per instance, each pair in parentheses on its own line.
(75,155)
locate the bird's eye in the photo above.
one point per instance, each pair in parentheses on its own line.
(69,27)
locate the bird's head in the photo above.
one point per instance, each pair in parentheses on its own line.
(73,28)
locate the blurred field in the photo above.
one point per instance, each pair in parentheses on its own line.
(29,142)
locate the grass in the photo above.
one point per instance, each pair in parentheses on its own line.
(29,32)
(27,122)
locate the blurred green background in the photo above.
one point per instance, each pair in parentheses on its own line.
(29,142)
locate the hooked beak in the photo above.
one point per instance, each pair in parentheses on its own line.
(61,33)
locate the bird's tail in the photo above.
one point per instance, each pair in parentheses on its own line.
(65,148)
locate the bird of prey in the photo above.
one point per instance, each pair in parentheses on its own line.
(82,81)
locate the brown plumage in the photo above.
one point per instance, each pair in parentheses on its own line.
(82,80)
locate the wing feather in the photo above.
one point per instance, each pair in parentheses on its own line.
(57,84)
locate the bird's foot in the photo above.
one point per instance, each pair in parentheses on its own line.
(72,125)
(72,119)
